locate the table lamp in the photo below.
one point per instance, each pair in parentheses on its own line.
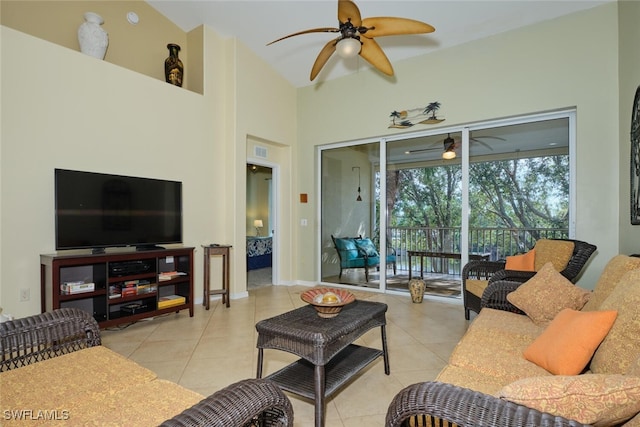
(257,223)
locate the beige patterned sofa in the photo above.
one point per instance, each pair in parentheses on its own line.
(572,359)
(53,370)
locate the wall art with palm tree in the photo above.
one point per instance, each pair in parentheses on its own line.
(406,118)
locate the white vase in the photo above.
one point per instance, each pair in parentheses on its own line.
(92,37)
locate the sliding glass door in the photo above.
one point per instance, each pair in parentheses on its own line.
(348,215)
(519,186)
(423,208)
(431,200)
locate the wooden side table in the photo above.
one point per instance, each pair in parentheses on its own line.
(224,252)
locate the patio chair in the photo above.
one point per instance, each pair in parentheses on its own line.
(359,252)
(477,275)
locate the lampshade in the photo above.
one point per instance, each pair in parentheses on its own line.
(449,154)
(449,148)
(257,223)
(348,47)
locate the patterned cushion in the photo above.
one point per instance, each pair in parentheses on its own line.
(557,252)
(491,350)
(617,267)
(366,246)
(590,399)
(347,248)
(568,343)
(146,404)
(476,286)
(548,292)
(634,369)
(621,348)
(61,383)
(524,262)
(474,380)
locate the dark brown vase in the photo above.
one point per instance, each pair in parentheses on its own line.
(173,68)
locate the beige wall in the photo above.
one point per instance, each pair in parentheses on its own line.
(556,64)
(629,33)
(141,48)
(110,119)
(268,117)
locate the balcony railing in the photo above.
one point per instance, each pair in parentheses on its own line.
(497,242)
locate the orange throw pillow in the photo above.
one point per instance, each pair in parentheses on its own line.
(568,343)
(524,262)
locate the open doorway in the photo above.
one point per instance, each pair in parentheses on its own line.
(260,227)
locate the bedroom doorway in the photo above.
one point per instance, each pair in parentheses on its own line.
(260,225)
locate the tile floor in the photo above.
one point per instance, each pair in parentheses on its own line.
(218,347)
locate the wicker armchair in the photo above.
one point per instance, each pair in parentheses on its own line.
(43,336)
(252,402)
(441,404)
(476,270)
(248,403)
(493,271)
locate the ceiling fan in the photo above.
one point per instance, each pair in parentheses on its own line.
(450,145)
(356,37)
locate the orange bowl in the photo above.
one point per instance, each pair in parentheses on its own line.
(325,309)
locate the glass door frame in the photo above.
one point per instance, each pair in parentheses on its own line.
(465,130)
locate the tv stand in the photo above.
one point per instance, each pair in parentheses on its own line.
(141,248)
(119,287)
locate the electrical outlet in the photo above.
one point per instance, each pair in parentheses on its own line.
(24,295)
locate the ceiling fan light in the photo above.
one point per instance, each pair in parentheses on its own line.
(449,155)
(348,47)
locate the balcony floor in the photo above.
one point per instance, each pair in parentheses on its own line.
(444,285)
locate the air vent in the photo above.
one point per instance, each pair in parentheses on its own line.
(260,152)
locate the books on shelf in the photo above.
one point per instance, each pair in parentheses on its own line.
(168,275)
(132,288)
(170,301)
(78,287)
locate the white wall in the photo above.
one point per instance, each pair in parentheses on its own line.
(556,64)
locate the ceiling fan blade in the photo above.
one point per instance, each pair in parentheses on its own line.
(348,11)
(484,144)
(422,150)
(487,137)
(313,30)
(386,26)
(322,58)
(477,139)
(372,52)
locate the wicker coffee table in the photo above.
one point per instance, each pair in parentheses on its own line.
(328,356)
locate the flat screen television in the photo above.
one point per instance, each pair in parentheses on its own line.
(96,210)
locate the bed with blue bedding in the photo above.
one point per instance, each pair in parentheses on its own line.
(259,252)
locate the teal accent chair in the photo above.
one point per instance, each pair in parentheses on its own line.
(359,252)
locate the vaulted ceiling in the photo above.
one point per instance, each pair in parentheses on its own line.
(258,22)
